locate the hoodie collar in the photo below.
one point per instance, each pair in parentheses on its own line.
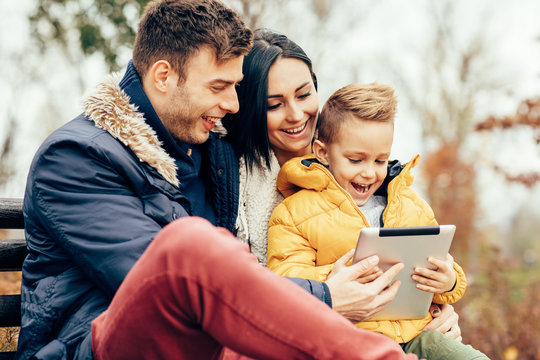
(126,113)
(132,86)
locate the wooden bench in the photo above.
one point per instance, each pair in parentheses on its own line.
(12,254)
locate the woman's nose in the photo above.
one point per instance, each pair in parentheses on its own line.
(295,112)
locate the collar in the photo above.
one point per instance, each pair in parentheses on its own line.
(131,119)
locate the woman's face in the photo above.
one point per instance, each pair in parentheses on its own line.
(292,108)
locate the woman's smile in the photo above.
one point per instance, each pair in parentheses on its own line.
(299,130)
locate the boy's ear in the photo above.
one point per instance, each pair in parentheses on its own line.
(320,150)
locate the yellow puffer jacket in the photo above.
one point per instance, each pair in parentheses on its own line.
(318,222)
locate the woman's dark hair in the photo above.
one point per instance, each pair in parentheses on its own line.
(247,130)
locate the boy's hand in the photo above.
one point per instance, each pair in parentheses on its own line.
(436,281)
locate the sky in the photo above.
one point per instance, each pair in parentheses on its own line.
(380,39)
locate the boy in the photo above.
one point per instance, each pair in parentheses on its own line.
(347,184)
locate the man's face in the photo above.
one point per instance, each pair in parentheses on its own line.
(358,156)
(206,95)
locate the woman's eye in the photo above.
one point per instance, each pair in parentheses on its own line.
(274,106)
(304,95)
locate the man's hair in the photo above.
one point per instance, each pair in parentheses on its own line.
(174,30)
(247,130)
(371,102)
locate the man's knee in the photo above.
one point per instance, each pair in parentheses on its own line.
(194,238)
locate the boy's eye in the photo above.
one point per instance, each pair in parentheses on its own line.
(354,161)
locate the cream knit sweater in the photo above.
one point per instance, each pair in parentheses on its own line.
(258,198)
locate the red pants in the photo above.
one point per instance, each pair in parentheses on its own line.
(197,289)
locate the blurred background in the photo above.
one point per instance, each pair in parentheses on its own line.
(467,77)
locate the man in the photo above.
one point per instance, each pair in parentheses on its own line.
(102,187)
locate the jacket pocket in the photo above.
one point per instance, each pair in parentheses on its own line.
(160,208)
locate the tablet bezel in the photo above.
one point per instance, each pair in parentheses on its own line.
(411,246)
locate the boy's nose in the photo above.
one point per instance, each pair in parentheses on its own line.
(367,171)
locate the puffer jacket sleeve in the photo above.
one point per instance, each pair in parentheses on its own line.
(81,195)
(289,252)
(457,292)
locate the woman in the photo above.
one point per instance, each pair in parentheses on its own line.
(276,122)
(279,97)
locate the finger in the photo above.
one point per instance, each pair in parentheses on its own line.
(427,281)
(365,265)
(342,261)
(428,274)
(454,332)
(449,258)
(447,323)
(434,310)
(368,278)
(442,265)
(429,289)
(386,278)
(443,320)
(387,294)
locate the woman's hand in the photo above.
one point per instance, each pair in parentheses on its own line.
(437,281)
(445,320)
(357,301)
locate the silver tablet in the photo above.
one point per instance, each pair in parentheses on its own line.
(411,246)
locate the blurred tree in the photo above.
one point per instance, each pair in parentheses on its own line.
(527,115)
(451,195)
(6,151)
(455,71)
(87,27)
(253,11)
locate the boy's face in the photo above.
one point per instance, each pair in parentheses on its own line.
(358,156)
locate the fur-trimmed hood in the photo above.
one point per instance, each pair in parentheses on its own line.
(110,108)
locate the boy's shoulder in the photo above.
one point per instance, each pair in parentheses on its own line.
(303,172)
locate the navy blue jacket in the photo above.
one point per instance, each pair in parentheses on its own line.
(99,190)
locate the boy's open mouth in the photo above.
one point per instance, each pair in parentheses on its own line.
(361,188)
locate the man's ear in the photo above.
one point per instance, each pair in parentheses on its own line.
(320,150)
(161,75)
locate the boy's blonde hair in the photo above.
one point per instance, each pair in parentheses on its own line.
(373,102)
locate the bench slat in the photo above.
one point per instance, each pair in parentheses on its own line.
(11,216)
(7,355)
(10,310)
(12,254)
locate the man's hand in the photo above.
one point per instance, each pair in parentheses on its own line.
(445,320)
(357,301)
